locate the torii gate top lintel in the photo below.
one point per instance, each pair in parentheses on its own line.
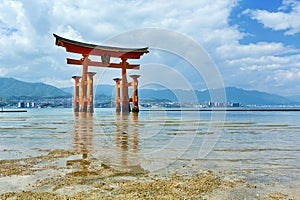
(99,50)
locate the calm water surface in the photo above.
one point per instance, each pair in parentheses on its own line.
(265,144)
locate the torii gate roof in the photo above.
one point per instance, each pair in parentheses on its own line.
(99,50)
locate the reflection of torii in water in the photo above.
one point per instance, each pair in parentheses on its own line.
(83,135)
(127,142)
(124,156)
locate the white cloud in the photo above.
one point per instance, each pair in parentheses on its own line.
(3,72)
(69,32)
(58,83)
(235,50)
(33,23)
(28,52)
(281,20)
(276,74)
(287,75)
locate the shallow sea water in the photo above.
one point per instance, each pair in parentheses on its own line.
(263,146)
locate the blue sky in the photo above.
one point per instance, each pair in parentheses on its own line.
(256,30)
(254,44)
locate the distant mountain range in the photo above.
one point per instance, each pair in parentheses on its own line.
(295,98)
(233,94)
(10,87)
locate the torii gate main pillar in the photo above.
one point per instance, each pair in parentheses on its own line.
(90,92)
(125,98)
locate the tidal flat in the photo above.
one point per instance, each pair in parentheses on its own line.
(42,177)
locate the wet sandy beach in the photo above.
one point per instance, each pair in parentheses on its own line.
(57,175)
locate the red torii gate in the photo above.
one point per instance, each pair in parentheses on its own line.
(83,88)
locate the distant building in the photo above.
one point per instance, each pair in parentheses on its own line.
(21,104)
(235,104)
(30,105)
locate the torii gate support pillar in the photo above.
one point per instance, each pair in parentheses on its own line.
(135,98)
(118,100)
(76,93)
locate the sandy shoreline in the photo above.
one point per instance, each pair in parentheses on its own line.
(57,175)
